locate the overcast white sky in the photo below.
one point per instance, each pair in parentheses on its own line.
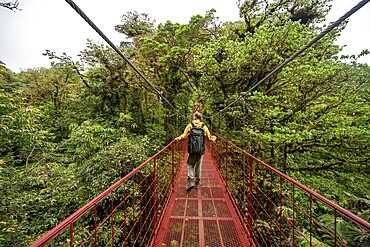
(54,25)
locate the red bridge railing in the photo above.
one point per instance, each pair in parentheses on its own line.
(276,210)
(126,214)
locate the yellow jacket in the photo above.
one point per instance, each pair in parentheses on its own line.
(198,124)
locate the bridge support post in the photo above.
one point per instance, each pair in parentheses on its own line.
(250,164)
(112,213)
(155,191)
(95,226)
(71,234)
(227,165)
(218,155)
(173,165)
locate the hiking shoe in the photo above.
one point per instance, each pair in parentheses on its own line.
(191,186)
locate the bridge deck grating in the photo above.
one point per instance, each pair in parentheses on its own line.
(202,217)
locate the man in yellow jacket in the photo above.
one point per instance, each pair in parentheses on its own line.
(197,132)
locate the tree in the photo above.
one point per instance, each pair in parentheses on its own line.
(258,12)
(136,24)
(70,131)
(54,91)
(308,118)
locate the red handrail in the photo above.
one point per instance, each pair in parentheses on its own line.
(268,202)
(163,160)
(257,192)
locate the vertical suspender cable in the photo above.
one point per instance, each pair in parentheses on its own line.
(219,123)
(177,124)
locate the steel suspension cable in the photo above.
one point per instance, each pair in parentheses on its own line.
(297,53)
(243,131)
(92,24)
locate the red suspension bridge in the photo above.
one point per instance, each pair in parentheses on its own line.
(242,202)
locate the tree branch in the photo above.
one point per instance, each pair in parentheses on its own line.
(10,5)
(342,160)
(69,61)
(316,168)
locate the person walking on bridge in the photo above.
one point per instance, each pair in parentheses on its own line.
(197,132)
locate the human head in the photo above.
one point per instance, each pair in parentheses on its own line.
(198,116)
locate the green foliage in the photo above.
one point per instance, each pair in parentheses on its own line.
(21,128)
(135,24)
(303,241)
(70,131)
(99,171)
(88,138)
(258,13)
(349,233)
(308,120)
(34,200)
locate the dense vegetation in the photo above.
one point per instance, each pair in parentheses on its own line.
(69,131)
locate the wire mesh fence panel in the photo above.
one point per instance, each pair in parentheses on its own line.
(276,210)
(127,213)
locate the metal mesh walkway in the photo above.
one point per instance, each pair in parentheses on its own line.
(203,217)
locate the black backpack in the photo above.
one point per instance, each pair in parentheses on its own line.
(196,142)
